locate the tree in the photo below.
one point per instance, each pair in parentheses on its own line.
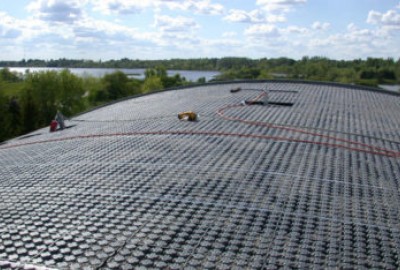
(152,84)
(4,119)
(44,90)
(234,63)
(15,119)
(386,74)
(49,91)
(71,99)
(201,80)
(94,90)
(7,75)
(166,81)
(116,85)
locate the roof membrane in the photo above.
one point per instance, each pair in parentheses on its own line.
(129,186)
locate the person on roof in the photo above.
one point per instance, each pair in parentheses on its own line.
(60,120)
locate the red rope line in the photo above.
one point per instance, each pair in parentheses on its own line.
(374,149)
(221,112)
(209,133)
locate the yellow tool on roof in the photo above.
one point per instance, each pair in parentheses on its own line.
(188,116)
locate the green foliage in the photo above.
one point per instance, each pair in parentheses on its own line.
(8,76)
(11,89)
(152,84)
(112,86)
(4,119)
(372,71)
(116,85)
(10,120)
(378,75)
(15,117)
(229,63)
(158,71)
(244,73)
(33,102)
(71,93)
(48,91)
(165,81)
(30,111)
(44,87)
(10,84)
(201,80)
(94,88)
(308,68)
(264,74)
(176,64)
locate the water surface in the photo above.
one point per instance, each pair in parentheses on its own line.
(138,73)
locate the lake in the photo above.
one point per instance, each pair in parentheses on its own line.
(138,73)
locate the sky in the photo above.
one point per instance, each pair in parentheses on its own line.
(166,29)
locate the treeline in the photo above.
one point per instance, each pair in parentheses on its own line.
(31,101)
(371,71)
(172,64)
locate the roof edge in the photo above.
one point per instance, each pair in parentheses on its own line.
(336,84)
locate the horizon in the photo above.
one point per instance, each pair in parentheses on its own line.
(195,29)
(395,59)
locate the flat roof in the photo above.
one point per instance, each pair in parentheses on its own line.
(309,179)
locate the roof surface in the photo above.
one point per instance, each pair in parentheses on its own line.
(313,185)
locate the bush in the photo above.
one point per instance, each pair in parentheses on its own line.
(116,85)
(8,76)
(152,84)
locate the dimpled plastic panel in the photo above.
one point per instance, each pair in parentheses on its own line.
(129,186)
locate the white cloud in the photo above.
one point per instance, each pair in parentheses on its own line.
(223,43)
(295,30)
(390,18)
(120,7)
(280,5)
(21,30)
(53,33)
(359,35)
(274,18)
(205,7)
(355,42)
(320,26)
(124,7)
(72,22)
(229,34)
(78,28)
(254,16)
(270,11)
(262,31)
(197,6)
(236,15)
(175,24)
(352,27)
(61,11)
(9,27)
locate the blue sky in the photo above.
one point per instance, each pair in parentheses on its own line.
(164,29)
